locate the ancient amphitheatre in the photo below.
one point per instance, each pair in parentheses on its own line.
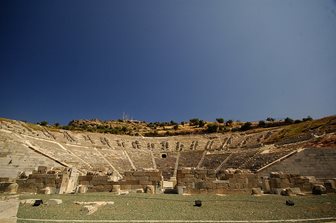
(222,169)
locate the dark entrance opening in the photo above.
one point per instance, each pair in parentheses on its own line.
(163,155)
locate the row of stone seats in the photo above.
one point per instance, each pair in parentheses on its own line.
(93,149)
(253,140)
(16,157)
(117,158)
(235,140)
(190,158)
(212,161)
(262,159)
(87,155)
(113,141)
(296,139)
(141,159)
(237,159)
(51,149)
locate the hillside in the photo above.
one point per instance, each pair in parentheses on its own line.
(193,126)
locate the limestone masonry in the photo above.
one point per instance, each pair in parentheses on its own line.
(40,160)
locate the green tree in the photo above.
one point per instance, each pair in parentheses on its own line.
(212,127)
(289,120)
(194,121)
(307,119)
(44,123)
(229,122)
(262,124)
(246,126)
(220,120)
(176,127)
(201,123)
(173,123)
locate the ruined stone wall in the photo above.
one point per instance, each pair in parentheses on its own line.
(132,180)
(44,181)
(318,162)
(277,181)
(143,177)
(96,183)
(197,181)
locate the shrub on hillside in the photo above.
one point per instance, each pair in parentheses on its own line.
(211,128)
(307,119)
(194,121)
(289,120)
(229,122)
(173,123)
(44,123)
(262,124)
(201,123)
(246,126)
(220,120)
(223,129)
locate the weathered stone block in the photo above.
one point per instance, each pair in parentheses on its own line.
(129,182)
(200,185)
(84,182)
(188,180)
(85,178)
(145,182)
(319,189)
(54,202)
(274,175)
(115,188)
(31,181)
(82,189)
(330,186)
(89,209)
(135,187)
(4,179)
(150,189)
(42,169)
(189,175)
(256,191)
(99,178)
(125,187)
(9,188)
(128,174)
(47,190)
(154,178)
(266,186)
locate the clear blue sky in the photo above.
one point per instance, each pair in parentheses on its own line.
(167,60)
